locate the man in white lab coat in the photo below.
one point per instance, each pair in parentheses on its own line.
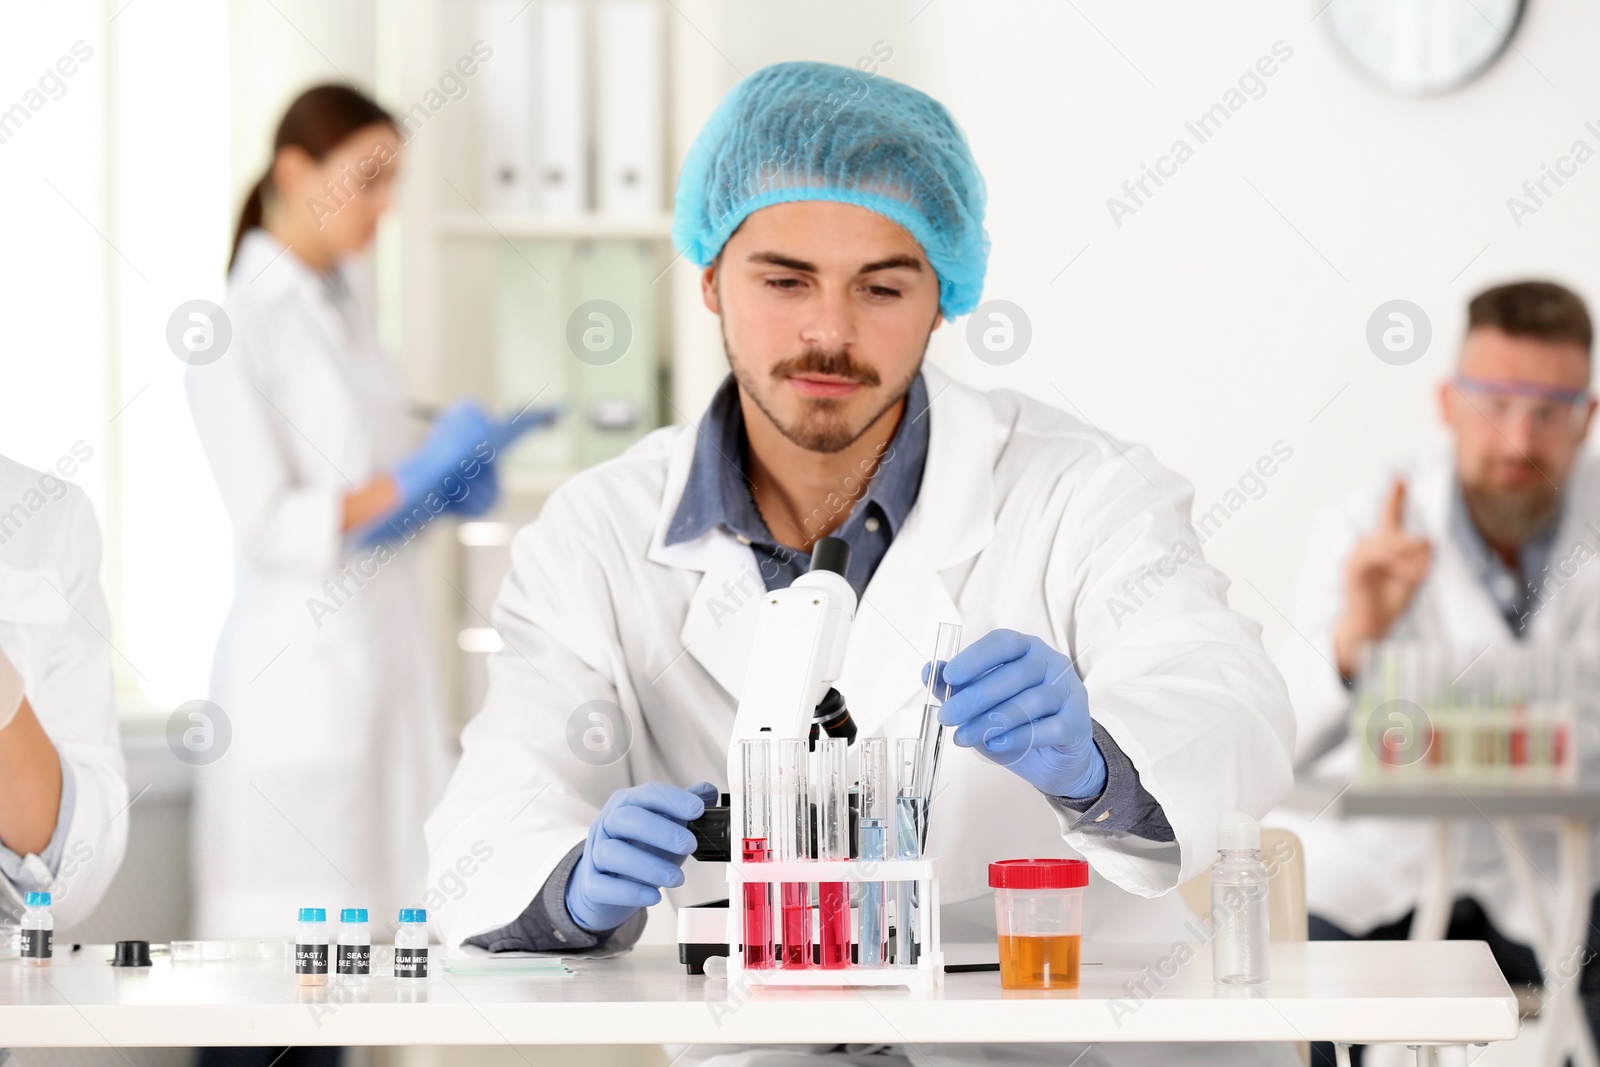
(1486,545)
(833,241)
(62,786)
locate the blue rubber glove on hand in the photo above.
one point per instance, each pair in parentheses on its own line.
(478,494)
(458,441)
(1019,703)
(636,845)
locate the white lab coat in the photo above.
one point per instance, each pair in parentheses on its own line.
(1027,519)
(1368,871)
(54,627)
(325,668)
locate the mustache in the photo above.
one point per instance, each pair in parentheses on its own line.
(833,364)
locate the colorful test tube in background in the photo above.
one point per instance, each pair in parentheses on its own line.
(908,846)
(794,818)
(756,755)
(874,826)
(833,845)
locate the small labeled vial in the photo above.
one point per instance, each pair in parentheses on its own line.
(354,954)
(411,944)
(311,947)
(38,930)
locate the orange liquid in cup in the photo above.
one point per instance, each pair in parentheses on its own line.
(1039,962)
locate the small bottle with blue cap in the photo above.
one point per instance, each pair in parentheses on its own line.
(311,947)
(354,959)
(38,929)
(411,944)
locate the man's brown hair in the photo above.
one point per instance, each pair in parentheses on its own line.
(1542,310)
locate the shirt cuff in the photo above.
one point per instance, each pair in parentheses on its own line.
(545,926)
(1123,806)
(37,872)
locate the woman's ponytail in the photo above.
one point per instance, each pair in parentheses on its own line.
(249,216)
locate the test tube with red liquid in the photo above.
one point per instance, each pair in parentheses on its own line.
(757,836)
(794,824)
(833,845)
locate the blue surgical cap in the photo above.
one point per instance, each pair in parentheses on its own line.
(817,131)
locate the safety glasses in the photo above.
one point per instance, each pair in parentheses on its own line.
(1504,402)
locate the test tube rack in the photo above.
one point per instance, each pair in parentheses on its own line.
(925,976)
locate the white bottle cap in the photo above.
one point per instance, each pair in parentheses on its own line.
(1238,831)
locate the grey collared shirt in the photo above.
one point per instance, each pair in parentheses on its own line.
(1514,592)
(717,492)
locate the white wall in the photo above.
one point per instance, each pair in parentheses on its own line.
(1206,325)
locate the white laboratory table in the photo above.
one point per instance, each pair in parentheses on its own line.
(1442,993)
(1561,940)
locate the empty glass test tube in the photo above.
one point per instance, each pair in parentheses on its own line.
(874,759)
(756,756)
(794,819)
(833,845)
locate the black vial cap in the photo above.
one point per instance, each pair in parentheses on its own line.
(132,954)
(831,554)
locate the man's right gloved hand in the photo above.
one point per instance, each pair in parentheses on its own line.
(636,846)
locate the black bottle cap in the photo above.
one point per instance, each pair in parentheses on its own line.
(132,954)
(831,554)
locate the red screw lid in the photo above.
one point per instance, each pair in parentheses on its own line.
(1038,874)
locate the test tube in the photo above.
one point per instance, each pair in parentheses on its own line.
(874,810)
(833,845)
(908,846)
(794,814)
(947,643)
(757,759)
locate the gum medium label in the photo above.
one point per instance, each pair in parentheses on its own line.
(311,959)
(355,959)
(411,963)
(37,944)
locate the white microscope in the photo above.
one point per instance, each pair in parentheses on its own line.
(805,837)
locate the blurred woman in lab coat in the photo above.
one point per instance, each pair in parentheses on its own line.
(324,673)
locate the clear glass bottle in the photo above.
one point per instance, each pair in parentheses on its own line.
(411,944)
(311,947)
(38,930)
(355,944)
(1239,916)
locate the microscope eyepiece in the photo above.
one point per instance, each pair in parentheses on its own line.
(831,554)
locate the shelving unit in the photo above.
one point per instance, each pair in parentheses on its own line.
(447,258)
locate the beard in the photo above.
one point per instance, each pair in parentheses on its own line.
(1511,515)
(823,424)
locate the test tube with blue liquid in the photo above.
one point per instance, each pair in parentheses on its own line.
(907,846)
(874,825)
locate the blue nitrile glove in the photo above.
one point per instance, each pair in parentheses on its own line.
(460,435)
(636,845)
(1020,704)
(477,494)
(482,483)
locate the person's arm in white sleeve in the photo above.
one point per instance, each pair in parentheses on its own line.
(520,792)
(1177,678)
(71,696)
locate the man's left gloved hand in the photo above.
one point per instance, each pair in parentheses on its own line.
(1019,703)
